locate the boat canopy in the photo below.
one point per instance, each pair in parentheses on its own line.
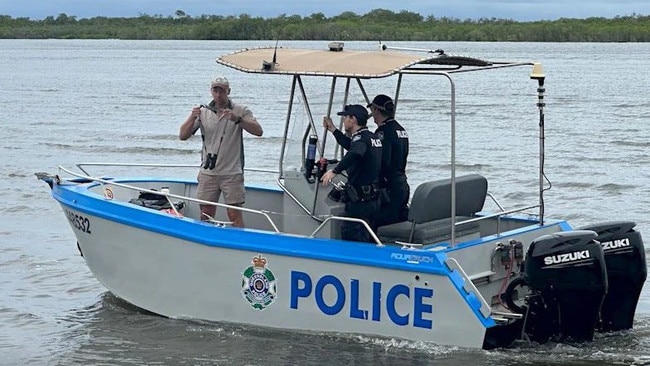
(296,176)
(336,61)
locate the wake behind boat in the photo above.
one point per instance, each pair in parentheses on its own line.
(454,273)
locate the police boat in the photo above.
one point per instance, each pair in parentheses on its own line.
(455,273)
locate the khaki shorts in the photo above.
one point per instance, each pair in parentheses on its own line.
(211,187)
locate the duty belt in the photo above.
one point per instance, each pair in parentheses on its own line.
(364,193)
(396,180)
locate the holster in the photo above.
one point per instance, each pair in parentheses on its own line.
(384,197)
(364,193)
(336,195)
(351,193)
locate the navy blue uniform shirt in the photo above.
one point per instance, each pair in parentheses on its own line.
(363,159)
(395,150)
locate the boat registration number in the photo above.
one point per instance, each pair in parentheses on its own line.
(79,222)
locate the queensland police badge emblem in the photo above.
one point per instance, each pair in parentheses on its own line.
(258,285)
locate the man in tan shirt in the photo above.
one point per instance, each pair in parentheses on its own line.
(222,158)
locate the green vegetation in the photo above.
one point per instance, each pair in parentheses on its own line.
(378,24)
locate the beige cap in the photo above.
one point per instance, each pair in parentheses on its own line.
(220,81)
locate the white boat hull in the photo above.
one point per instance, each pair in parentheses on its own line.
(181,279)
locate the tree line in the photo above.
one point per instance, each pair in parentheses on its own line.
(378,24)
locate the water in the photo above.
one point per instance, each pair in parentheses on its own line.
(68,101)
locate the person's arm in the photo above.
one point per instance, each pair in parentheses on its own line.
(357,149)
(246,121)
(189,127)
(340,137)
(387,154)
(250,125)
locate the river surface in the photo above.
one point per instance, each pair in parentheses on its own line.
(68,101)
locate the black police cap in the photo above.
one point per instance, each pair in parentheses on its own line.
(356,110)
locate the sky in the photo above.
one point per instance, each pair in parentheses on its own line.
(520,10)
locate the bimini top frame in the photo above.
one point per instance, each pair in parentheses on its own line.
(335,62)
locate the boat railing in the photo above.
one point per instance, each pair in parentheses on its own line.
(496,202)
(287,191)
(81,166)
(166,194)
(141,165)
(497,215)
(376,239)
(323,223)
(350,219)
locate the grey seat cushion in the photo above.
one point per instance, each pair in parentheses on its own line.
(431,211)
(426,233)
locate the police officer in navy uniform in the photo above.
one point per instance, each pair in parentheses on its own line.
(395,150)
(394,188)
(362,163)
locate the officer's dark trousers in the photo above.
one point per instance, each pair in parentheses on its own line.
(396,209)
(361,210)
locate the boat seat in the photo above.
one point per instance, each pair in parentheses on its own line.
(429,218)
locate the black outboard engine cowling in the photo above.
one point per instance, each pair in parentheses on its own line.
(626,272)
(567,277)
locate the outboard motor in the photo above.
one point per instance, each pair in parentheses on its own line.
(566,275)
(626,272)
